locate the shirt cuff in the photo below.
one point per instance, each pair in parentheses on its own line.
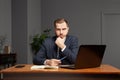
(63,48)
(44,62)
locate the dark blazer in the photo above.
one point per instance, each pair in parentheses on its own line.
(49,49)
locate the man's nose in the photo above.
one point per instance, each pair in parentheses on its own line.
(61,31)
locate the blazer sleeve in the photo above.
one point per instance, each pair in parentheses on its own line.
(71,49)
(40,57)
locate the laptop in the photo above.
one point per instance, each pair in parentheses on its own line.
(89,56)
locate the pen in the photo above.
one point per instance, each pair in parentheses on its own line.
(63,58)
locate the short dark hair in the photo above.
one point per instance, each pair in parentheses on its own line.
(60,20)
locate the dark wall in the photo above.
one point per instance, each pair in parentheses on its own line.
(19,29)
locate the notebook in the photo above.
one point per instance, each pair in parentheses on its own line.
(89,56)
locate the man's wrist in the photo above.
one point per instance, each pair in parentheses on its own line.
(63,48)
(46,61)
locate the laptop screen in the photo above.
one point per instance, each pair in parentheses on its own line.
(89,56)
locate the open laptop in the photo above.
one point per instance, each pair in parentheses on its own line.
(89,56)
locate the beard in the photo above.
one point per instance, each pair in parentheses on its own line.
(61,36)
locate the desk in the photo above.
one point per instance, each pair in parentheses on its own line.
(104,72)
(7,59)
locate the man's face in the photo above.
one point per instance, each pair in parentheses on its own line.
(61,29)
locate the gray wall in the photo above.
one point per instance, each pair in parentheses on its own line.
(19,29)
(5,20)
(84,16)
(34,24)
(25,23)
(19,21)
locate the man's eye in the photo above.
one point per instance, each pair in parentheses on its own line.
(64,29)
(58,29)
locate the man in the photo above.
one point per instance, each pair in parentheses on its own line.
(59,49)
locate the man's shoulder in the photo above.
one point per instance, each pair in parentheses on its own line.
(71,37)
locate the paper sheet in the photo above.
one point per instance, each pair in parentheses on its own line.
(34,67)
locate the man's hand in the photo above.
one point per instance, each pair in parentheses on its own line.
(53,62)
(60,42)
